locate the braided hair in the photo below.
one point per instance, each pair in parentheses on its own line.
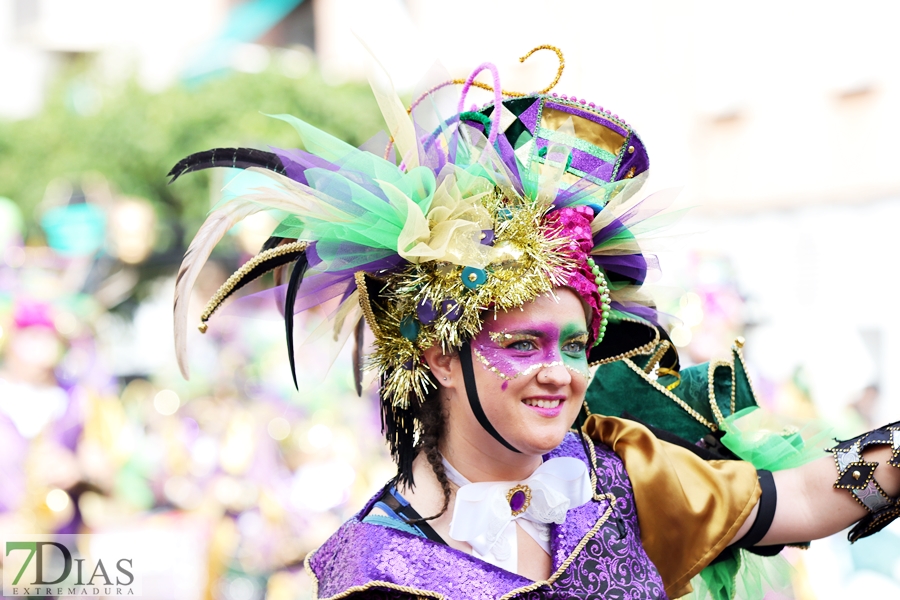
(432,423)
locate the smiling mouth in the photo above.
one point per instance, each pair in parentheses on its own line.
(542,403)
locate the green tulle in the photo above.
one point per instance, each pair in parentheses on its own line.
(759,438)
(290,227)
(744,576)
(756,436)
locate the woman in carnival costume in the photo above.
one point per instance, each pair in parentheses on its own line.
(494,265)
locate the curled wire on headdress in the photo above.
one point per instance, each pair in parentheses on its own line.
(498,92)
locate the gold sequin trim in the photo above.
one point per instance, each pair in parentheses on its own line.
(593,455)
(684,405)
(361,588)
(739,353)
(713,403)
(657,356)
(575,552)
(711,388)
(226,288)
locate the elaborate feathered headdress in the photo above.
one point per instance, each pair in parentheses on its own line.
(487,209)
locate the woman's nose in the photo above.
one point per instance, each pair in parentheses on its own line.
(554,373)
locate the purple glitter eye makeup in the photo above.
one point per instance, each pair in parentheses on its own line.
(519,351)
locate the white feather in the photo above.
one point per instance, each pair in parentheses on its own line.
(285,194)
(214,228)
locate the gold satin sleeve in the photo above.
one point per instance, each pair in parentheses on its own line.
(688,508)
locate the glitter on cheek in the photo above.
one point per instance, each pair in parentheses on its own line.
(577,365)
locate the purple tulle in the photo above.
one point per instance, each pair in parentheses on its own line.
(638,310)
(297,161)
(317,287)
(632,266)
(306,168)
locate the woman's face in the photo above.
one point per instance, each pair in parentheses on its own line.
(531,370)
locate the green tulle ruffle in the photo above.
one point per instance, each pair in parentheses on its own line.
(762,439)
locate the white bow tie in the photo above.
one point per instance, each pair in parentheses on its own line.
(484,513)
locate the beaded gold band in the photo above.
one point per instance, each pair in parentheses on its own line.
(238,276)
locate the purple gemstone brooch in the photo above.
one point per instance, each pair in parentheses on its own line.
(519,498)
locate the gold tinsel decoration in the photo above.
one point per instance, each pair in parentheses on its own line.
(527,260)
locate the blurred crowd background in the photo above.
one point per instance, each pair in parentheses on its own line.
(777,118)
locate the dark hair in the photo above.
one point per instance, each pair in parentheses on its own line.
(431,429)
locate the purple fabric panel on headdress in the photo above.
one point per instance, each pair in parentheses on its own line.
(589,116)
(529,116)
(583,161)
(582,188)
(646,208)
(588,163)
(613,228)
(316,289)
(476,125)
(637,159)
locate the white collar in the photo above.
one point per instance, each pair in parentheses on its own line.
(484,512)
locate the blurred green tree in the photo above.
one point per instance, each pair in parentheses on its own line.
(133,136)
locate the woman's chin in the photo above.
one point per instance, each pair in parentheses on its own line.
(541,440)
(541,433)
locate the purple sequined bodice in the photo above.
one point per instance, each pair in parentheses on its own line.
(605,561)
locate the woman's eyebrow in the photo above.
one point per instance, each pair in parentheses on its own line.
(577,334)
(506,334)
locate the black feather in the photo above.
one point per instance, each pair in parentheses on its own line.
(274,242)
(235,158)
(291,296)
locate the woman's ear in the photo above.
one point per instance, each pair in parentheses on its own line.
(439,364)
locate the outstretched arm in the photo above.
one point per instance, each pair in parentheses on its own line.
(810,507)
